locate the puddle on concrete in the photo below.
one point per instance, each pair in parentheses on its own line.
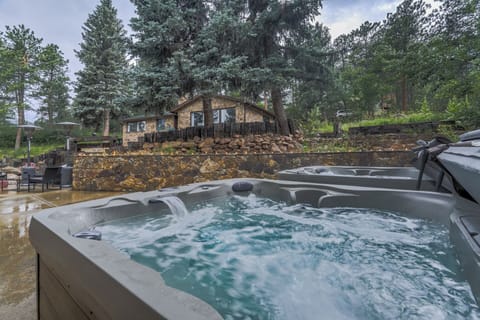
(20,204)
(17,260)
(17,256)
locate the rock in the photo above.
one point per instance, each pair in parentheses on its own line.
(132,183)
(209,166)
(206,150)
(207,143)
(12,170)
(189,145)
(174,144)
(225,140)
(272,163)
(275,148)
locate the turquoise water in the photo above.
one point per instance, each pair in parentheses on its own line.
(253,258)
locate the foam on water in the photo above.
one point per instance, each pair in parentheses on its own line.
(252,258)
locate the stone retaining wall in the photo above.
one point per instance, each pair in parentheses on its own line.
(150,172)
(266,143)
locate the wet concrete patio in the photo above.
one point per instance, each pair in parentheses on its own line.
(17,256)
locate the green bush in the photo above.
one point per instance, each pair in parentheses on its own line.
(7,136)
(464,112)
(315,123)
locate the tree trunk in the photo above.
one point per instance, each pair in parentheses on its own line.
(106,122)
(49,99)
(207,111)
(280,115)
(404,93)
(21,116)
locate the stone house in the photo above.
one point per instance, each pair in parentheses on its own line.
(225,109)
(190,114)
(135,127)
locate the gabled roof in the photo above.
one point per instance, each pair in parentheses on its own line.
(233,99)
(143,117)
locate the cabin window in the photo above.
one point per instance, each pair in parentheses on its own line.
(224,115)
(161,125)
(138,126)
(227,115)
(196,119)
(219,116)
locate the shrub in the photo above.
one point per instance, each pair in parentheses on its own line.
(464,112)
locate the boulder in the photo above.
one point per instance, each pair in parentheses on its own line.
(209,166)
(275,148)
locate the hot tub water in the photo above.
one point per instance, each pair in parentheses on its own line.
(254,258)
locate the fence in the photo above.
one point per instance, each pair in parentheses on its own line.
(224,130)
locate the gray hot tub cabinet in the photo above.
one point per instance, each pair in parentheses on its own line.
(88,279)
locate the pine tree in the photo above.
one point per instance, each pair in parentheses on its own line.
(103,52)
(53,88)
(213,63)
(164,32)
(19,50)
(403,34)
(277,29)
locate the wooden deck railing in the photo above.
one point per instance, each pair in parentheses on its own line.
(224,130)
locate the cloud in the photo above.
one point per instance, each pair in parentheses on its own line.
(58,21)
(342,16)
(345,24)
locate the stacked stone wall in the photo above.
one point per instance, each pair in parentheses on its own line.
(144,172)
(267,143)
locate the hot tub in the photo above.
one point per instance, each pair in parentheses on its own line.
(84,275)
(378,177)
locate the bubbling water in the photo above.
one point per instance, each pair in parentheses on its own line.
(253,258)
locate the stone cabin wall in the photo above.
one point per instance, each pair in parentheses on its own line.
(242,113)
(151,126)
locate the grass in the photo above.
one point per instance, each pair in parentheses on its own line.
(35,150)
(396,119)
(334,145)
(314,126)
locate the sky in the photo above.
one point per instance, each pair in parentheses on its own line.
(60,21)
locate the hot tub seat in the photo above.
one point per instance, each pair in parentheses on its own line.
(378,177)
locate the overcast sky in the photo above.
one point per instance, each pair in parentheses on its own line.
(60,21)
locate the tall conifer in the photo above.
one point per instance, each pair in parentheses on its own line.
(19,51)
(53,84)
(103,52)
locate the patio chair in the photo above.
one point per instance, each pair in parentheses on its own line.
(51,176)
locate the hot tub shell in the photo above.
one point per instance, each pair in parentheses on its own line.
(89,279)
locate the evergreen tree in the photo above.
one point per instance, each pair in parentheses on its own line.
(6,99)
(455,49)
(164,29)
(277,28)
(213,62)
(312,63)
(403,33)
(53,89)
(19,50)
(103,52)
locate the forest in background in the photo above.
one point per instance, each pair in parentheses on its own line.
(269,52)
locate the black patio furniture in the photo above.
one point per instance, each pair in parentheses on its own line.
(51,176)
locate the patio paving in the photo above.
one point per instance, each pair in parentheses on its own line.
(17,256)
